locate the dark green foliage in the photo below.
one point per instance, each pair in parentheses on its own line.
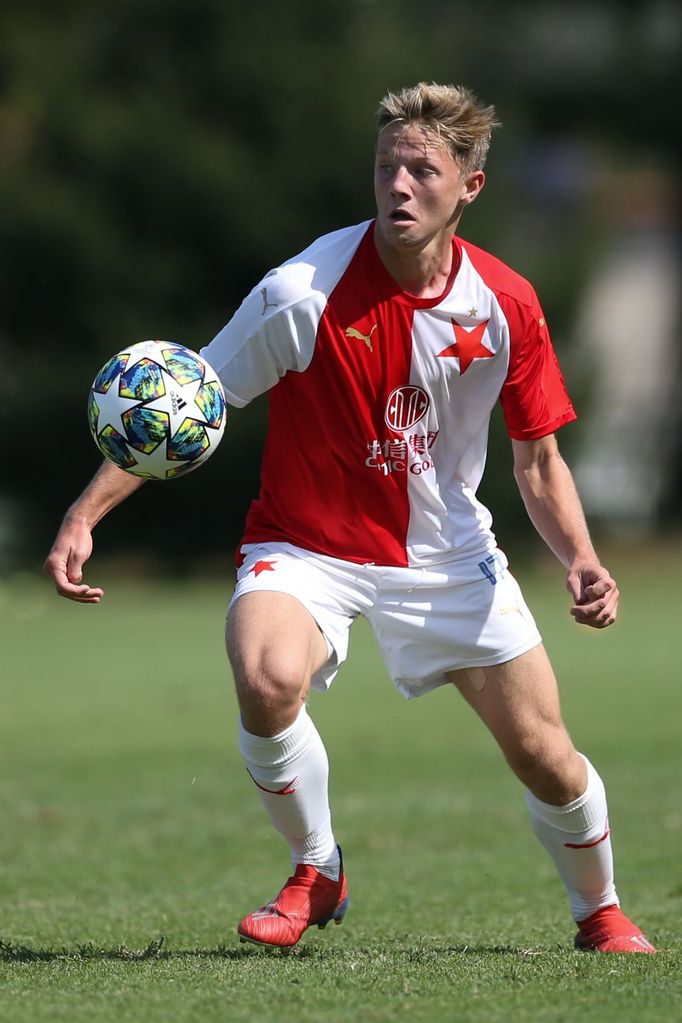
(159,156)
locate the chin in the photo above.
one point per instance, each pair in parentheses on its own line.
(399,234)
(406,239)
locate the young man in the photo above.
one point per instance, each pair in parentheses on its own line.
(384,347)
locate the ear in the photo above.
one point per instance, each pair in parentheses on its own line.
(471,186)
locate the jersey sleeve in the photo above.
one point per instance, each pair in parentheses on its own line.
(534,398)
(273,332)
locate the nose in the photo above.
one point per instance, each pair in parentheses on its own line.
(400,183)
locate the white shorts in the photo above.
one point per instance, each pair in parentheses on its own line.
(427,621)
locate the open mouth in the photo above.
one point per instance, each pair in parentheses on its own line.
(401,217)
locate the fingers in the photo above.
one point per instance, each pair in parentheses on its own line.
(598,589)
(595,596)
(66,573)
(74,565)
(82,594)
(598,607)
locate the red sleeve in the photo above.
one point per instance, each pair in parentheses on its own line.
(534,398)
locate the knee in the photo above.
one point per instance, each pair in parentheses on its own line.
(270,690)
(547,764)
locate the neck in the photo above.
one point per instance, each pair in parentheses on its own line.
(422,272)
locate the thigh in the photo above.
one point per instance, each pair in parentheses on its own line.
(274,646)
(271,635)
(305,604)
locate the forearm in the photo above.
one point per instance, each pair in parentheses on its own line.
(73,544)
(107,489)
(554,507)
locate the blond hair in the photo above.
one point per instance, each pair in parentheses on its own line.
(452,113)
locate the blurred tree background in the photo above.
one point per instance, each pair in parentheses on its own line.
(159,156)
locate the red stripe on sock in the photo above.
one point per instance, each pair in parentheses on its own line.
(286,789)
(587,845)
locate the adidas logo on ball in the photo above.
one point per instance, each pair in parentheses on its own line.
(177,403)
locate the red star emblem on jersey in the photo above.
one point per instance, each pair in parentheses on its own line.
(467,346)
(262,566)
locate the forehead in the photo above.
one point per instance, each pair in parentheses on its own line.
(412,141)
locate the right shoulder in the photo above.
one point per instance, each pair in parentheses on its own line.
(274,331)
(313,272)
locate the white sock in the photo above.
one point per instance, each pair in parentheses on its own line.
(576,836)
(291,771)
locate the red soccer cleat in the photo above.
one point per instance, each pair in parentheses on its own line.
(609,930)
(308,898)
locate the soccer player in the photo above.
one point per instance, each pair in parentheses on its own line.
(384,347)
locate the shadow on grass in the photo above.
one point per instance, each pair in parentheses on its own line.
(15,953)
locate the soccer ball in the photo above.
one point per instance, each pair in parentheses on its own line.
(157,410)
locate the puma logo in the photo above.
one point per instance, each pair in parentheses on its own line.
(367,338)
(267,305)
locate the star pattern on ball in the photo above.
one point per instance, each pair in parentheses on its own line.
(179,411)
(157,466)
(112,406)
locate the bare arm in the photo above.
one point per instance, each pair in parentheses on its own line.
(73,544)
(554,508)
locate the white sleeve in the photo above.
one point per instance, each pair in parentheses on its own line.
(272,332)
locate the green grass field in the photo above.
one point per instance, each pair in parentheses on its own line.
(131,840)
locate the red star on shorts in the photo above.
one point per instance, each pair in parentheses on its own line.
(262,566)
(468,346)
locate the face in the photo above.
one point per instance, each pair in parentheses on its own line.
(420,190)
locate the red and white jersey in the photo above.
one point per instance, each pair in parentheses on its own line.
(379,402)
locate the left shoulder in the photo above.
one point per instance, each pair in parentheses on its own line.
(497,275)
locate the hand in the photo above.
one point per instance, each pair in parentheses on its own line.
(595,594)
(64,563)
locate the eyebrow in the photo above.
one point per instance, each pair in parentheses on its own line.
(425,155)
